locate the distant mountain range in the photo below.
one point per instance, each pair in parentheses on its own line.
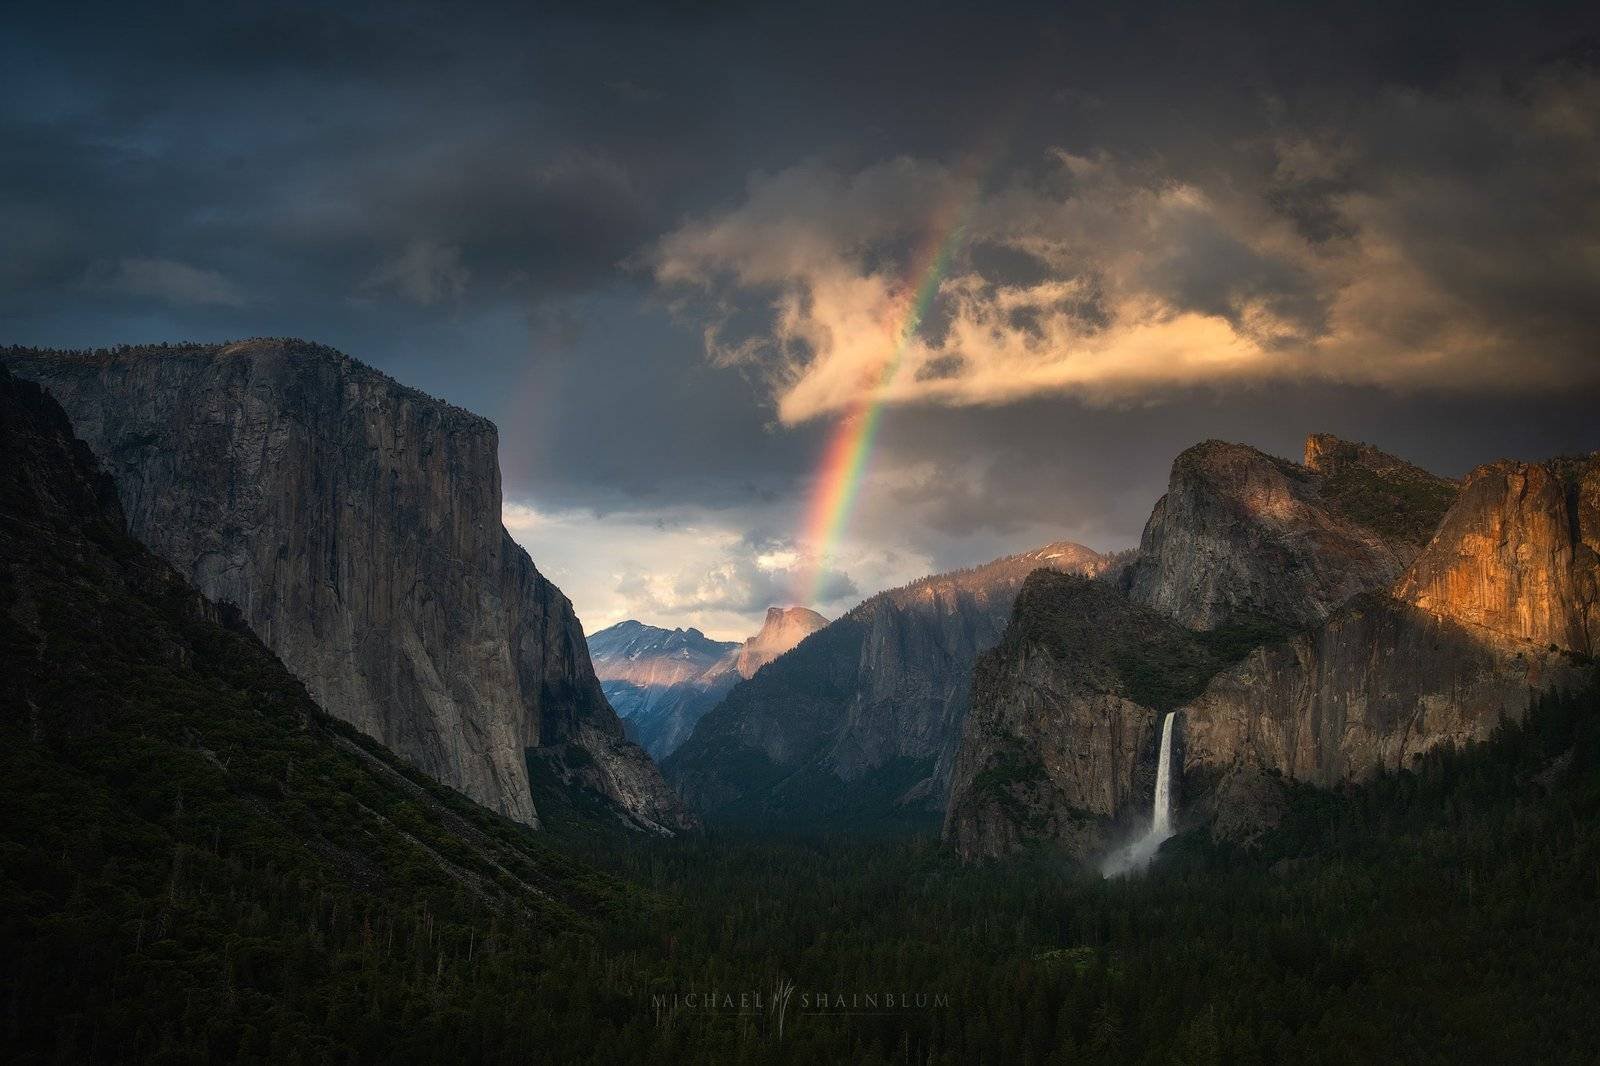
(860,721)
(662,681)
(1313,620)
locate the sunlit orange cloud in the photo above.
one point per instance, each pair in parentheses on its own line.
(1356,311)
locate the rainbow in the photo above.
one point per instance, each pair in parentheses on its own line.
(844,461)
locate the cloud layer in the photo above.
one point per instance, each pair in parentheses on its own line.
(165,280)
(685,569)
(661,244)
(1434,242)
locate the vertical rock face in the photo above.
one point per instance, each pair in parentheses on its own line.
(1373,688)
(783,629)
(1499,606)
(661,681)
(1422,613)
(1060,743)
(356,523)
(1519,556)
(1241,535)
(866,713)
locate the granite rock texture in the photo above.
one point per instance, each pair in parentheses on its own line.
(1242,535)
(356,524)
(781,630)
(1500,605)
(1519,556)
(869,707)
(1390,612)
(1060,744)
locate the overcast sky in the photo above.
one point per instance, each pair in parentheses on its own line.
(666,249)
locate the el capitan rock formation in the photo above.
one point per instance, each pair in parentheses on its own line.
(356,524)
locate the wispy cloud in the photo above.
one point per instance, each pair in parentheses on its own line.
(425,273)
(166,280)
(681,569)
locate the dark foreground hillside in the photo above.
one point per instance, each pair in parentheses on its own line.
(197,865)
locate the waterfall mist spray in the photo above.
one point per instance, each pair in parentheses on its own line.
(1138,854)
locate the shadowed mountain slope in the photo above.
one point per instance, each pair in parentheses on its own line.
(356,523)
(861,719)
(201,864)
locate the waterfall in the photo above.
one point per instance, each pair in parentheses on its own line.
(1161,821)
(1138,854)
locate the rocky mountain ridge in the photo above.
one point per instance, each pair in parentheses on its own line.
(1059,743)
(650,655)
(864,715)
(356,523)
(781,630)
(660,681)
(1358,640)
(1242,535)
(1499,606)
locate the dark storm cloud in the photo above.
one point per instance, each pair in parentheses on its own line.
(1437,241)
(1208,270)
(546,145)
(622,412)
(1056,468)
(319,40)
(474,199)
(326,145)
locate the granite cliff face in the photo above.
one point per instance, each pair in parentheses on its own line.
(865,714)
(1059,747)
(783,628)
(356,523)
(1241,535)
(1373,688)
(1519,556)
(1499,606)
(1388,611)
(155,754)
(661,681)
